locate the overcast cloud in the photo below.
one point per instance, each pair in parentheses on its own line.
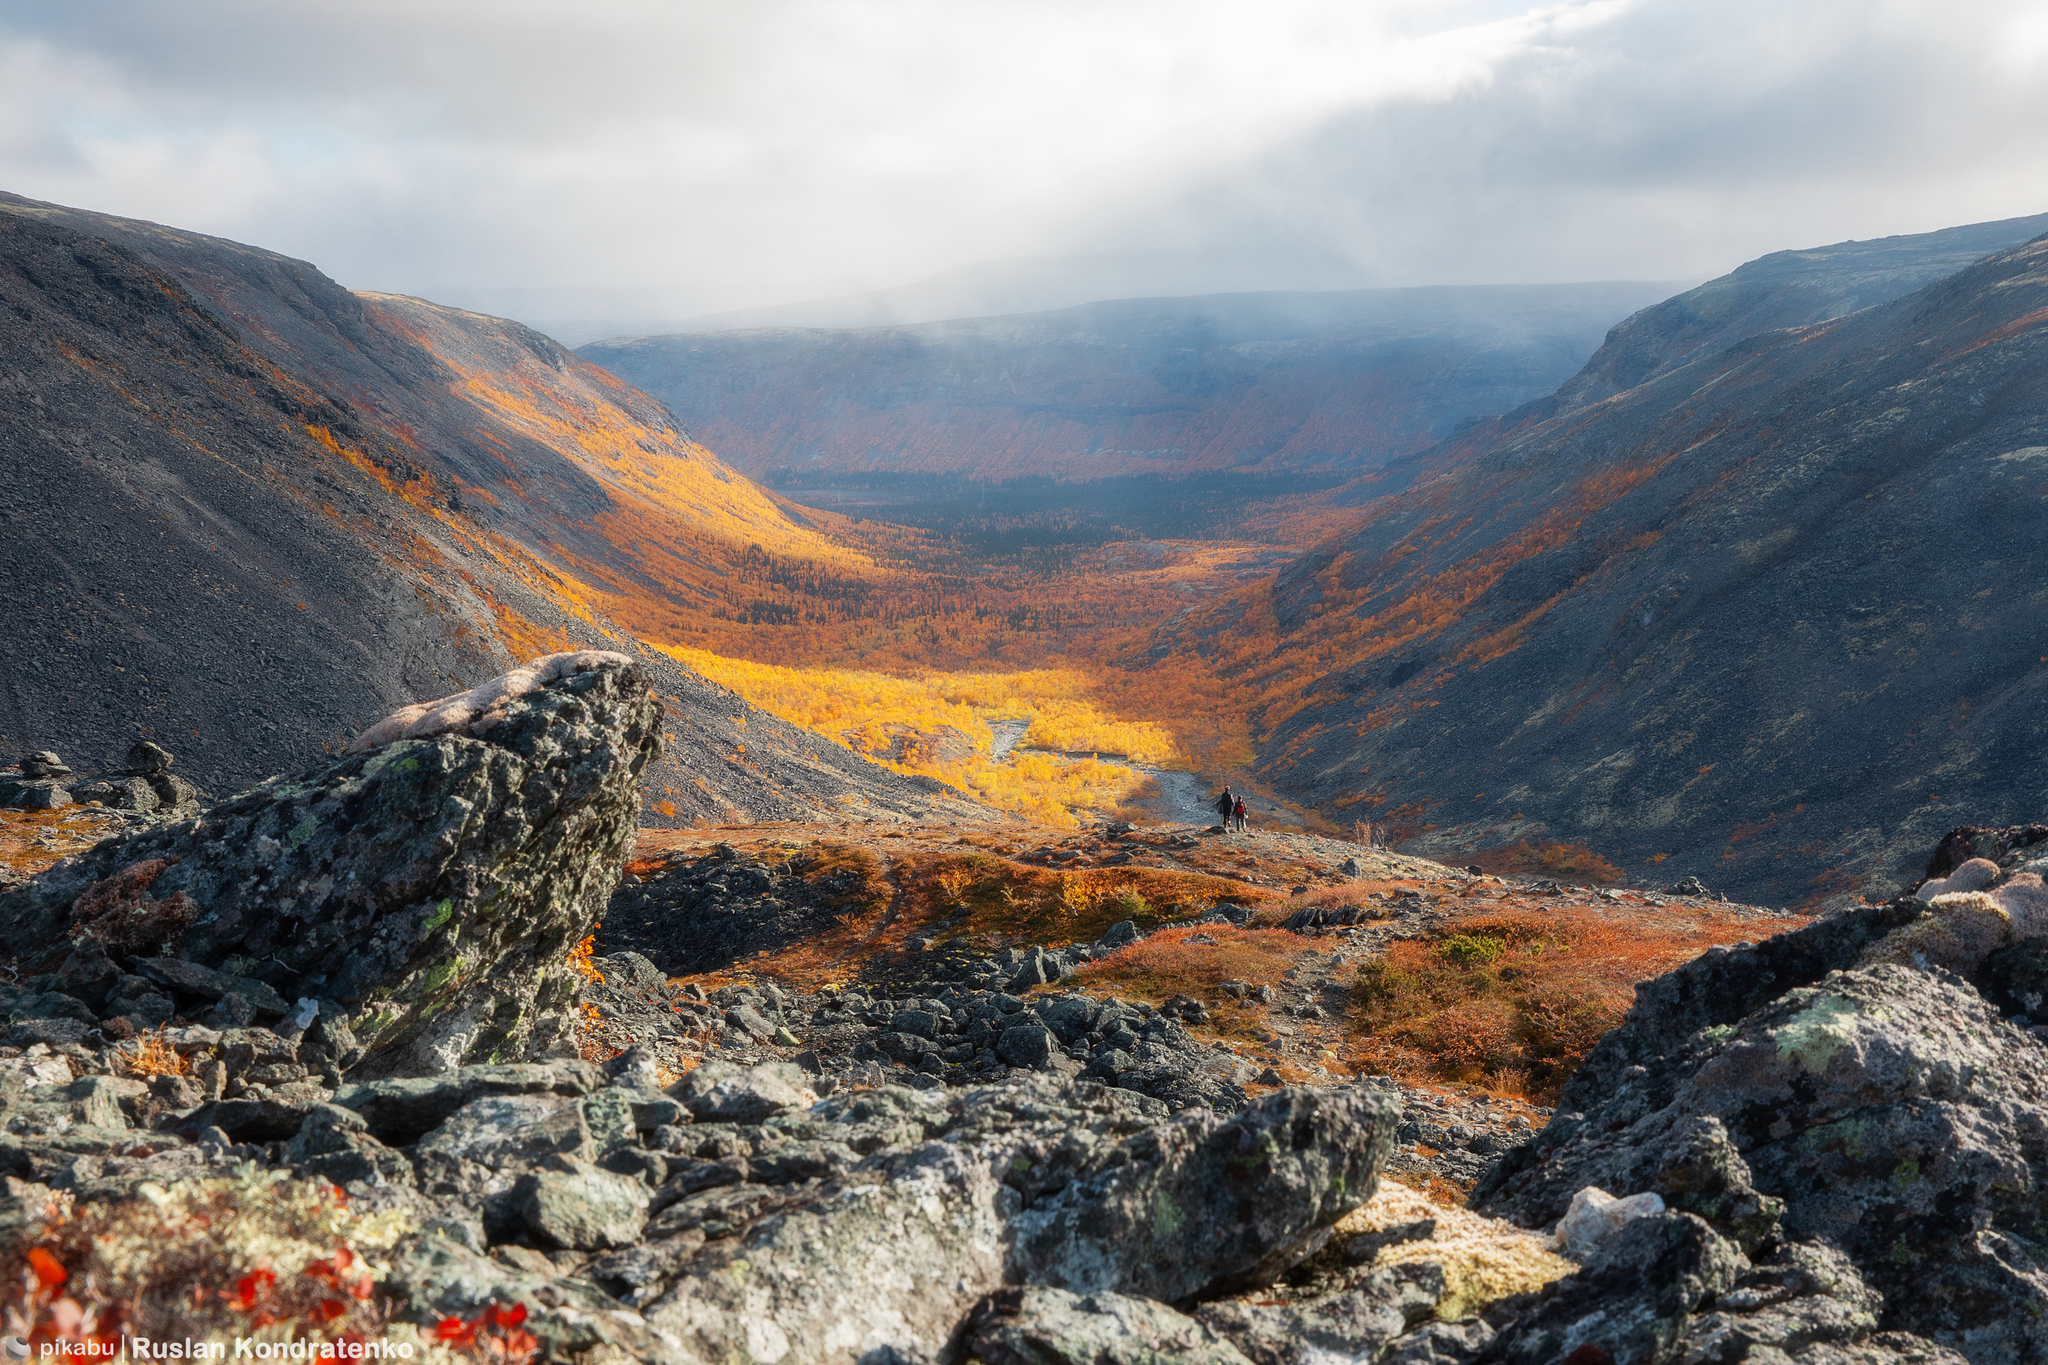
(732,155)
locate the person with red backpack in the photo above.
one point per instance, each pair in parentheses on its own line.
(1237,813)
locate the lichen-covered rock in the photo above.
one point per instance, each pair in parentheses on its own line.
(1484,1260)
(1030,1326)
(432,886)
(1889,1112)
(1633,1302)
(1351,1327)
(1071,1186)
(1808,1294)
(401,1109)
(718,1092)
(1716,989)
(1959,931)
(583,1208)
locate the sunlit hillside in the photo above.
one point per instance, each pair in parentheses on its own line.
(1061,757)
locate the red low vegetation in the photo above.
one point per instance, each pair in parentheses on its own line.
(1514,999)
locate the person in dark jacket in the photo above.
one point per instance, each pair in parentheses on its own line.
(1226,805)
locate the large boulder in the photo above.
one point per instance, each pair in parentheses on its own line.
(1069,1186)
(428,887)
(1887,1112)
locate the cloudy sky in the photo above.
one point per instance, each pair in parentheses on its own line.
(716,156)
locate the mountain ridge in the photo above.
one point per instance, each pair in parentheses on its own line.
(1251,383)
(1609,623)
(354,499)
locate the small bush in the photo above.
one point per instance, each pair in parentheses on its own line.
(1471,950)
(152,1056)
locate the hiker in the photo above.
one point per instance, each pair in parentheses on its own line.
(1226,804)
(1238,812)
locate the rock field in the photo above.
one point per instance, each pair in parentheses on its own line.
(348,1057)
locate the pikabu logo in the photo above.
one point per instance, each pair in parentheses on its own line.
(17,1348)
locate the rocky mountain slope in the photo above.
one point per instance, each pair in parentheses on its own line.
(379,1131)
(1765,618)
(1257,383)
(1784,289)
(242,502)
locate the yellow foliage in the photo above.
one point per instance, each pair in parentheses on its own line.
(939,725)
(152,1056)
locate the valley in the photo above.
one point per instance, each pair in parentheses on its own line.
(461,492)
(758,892)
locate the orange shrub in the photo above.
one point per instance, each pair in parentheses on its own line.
(1165,963)
(1563,862)
(1514,1000)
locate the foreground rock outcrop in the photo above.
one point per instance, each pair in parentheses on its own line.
(1827,1146)
(415,902)
(1837,1117)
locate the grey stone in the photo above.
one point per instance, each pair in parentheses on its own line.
(1206,1201)
(440,1276)
(274,1117)
(1047,1183)
(1888,1110)
(902,1047)
(1441,1343)
(587,1209)
(511,1132)
(921,1023)
(1633,1300)
(145,757)
(1025,1045)
(400,1111)
(1034,1326)
(1808,1294)
(1118,935)
(1347,1328)
(751,1022)
(718,1092)
(120,793)
(88,974)
(789,1163)
(208,984)
(62,1032)
(433,884)
(1069,1017)
(50,1005)
(1109,1064)
(335,1144)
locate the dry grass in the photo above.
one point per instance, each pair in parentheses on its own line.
(152,1056)
(1563,862)
(1512,1000)
(19,831)
(1165,963)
